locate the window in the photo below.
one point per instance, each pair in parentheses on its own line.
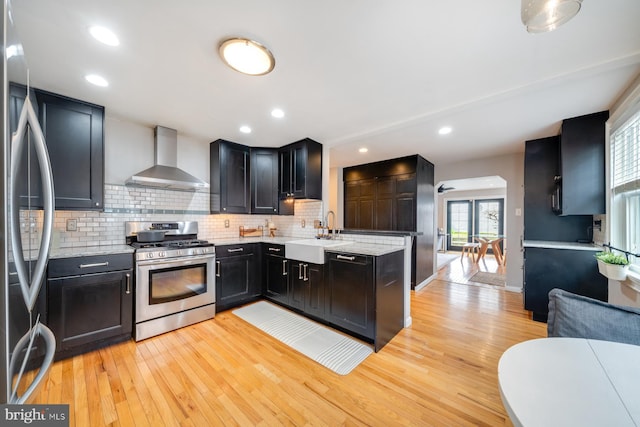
(625,186)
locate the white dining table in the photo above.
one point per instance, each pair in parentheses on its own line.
(571,382)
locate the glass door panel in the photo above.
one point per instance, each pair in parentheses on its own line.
(459,215)
(489,219)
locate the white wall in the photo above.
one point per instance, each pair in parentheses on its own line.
(511,169)
(129,149)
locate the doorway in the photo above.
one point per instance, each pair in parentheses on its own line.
(476,217)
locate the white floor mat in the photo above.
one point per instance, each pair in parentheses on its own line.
(327,347)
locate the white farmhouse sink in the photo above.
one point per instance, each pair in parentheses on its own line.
(310,250)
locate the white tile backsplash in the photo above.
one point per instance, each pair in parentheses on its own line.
(123,203)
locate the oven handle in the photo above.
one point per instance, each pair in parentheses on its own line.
(180,261)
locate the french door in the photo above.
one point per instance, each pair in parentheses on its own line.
(468,218)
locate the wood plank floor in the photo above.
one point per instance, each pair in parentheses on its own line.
(441,371)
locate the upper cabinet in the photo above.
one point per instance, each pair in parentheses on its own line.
(264,180)
(582,165)
(230,177)
(74,135)
(301,170)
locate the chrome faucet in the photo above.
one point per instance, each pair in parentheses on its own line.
(326,223)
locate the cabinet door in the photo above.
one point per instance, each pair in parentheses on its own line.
(349,291)
(91,308)
(285,173)
(301,170)
(385,191)
(264,181)
(314,304)
(74,134)
(405,209)
(572,270)
(582,162)
(235,178)
(276,275)
(236,276)
(297,294)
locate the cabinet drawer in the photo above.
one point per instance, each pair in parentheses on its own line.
(273,249)
(77,266)
(234,250)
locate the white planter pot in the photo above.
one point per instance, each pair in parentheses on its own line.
(613,271)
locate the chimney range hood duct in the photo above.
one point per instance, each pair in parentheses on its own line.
(165,173)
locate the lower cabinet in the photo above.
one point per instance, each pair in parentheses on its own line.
(276,273)
(237,275)
(307,288)
(572,270)
(90,302)
(364,295)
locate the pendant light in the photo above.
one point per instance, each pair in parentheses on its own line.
(247,56)
(540,16)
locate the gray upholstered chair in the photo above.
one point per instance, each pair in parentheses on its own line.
(576,316)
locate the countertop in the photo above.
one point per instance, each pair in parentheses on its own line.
(354,248)
(90,250)
(561,245)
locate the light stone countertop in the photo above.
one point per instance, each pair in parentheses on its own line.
(90,250)
(561,245)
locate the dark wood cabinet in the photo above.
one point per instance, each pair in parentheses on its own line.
(540,222)
(230,175)
(264,181)
(237,273)
(74,135)
(300,170)
(582,164)
(307,288)
(276,273)
(394,195)
(90,302)
(572,270)
(364,295)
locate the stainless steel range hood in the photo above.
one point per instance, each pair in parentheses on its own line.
(165,173)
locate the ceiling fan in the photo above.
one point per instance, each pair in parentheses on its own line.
(443,189)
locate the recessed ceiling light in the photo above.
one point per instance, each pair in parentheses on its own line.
(277,113)
(445,130)
(363,150)
(97,80)
(245,129)
(104,35)
(247,56)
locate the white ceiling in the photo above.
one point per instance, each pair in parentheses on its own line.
(380,74)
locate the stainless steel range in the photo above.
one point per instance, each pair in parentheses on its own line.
(175,280)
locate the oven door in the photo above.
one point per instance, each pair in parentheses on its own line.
(164,287)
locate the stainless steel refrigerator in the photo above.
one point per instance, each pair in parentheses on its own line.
(27,346)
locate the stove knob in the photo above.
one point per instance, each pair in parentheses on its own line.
(162,254)
(149,254)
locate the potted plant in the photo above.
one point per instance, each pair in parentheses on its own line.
(612,266)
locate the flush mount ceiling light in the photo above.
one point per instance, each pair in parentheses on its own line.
(247,56)
(540,16)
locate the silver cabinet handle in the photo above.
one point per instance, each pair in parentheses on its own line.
(300,271)
(95,264)
(128,276)
(275,249)
(349,258)
(284,267)
(306,277)
(235,250)
(217,268)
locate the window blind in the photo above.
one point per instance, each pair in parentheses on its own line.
(625,149)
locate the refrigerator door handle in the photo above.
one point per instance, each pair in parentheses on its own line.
(30,290)
(27,340)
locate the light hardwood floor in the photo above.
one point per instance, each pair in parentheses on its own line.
(441,371)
